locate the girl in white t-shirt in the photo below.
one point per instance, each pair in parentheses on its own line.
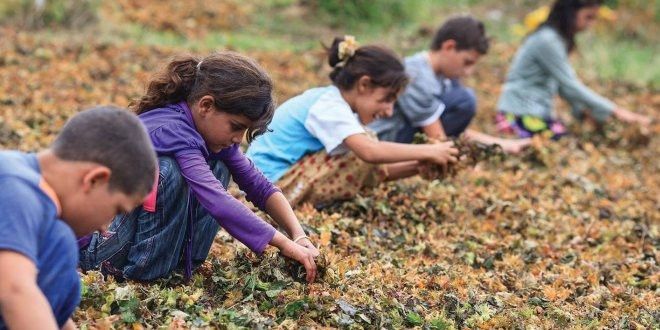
(318,149)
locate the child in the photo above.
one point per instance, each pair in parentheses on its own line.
(101,164)
(541,70)
(196,113)
(436,102)
(319,151)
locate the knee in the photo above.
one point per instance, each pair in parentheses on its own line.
(461,100)
(221,172)
(468,103)
(168,172)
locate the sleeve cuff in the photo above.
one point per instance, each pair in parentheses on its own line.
(330,148)
(269,192)
(435,116)
(261,246)
(603,113)
(19,250)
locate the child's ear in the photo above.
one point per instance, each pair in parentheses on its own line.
(449,45)
(96,176)
(206,104)
(363,84)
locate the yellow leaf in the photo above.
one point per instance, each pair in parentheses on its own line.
(325,238)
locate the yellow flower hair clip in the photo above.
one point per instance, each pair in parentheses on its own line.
(535,18)
(346,49)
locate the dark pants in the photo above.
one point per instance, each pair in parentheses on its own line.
(146,245)
(460,107)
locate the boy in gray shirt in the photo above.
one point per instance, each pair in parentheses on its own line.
(435,102)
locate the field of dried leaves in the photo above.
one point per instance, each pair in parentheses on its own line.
(564,235)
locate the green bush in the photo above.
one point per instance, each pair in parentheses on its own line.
(378,13)
(35,14)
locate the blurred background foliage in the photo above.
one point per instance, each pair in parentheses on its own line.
(624,47)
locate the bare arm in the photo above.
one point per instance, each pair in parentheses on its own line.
(402,170)
(69,325)
(435,131)
(22,304)
(380,152)
(512,146)
(303,250)
(280,210)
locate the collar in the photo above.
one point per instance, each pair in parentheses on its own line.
(50,192)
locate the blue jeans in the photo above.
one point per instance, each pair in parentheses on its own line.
(460,107)
(146,245)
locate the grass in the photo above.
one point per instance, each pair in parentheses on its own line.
(608,59)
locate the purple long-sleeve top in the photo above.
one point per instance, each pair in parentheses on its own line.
(173,133)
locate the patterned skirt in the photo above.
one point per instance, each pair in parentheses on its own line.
(321,179)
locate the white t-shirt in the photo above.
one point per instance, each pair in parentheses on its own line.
(331,120)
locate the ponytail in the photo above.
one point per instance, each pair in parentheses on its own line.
(172,84)
(239,86)
(380,64)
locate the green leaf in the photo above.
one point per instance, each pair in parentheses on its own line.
(469,258)
(413,318)
(441,324)
(293,309)
(273,293)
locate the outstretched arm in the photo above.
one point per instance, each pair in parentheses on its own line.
(379,152)
(511,146)
(280,210)
(402,170)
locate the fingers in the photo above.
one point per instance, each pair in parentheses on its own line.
(645,121)
(309,245)
(310,267)
(520,146)
(312,249)
(449,146)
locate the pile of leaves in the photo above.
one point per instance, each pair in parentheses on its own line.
(469,155)
(565,234)
(190,18)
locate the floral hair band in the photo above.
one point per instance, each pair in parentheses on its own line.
(346,50)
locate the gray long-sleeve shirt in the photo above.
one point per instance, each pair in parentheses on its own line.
(541,70)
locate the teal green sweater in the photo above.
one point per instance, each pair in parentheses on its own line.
(541,70)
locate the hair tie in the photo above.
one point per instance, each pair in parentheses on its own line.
(346,50)
(199,65)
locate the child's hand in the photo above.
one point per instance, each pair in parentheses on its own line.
(297,252)
(305,256)
(514,146)
(429,171)
(442,153)
(308,244)
(631,117)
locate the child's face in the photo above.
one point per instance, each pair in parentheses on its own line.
(93,206)
(459,63)
(219,129)
(586,17)
(374,102)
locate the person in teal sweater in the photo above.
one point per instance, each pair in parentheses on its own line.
(541,70)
